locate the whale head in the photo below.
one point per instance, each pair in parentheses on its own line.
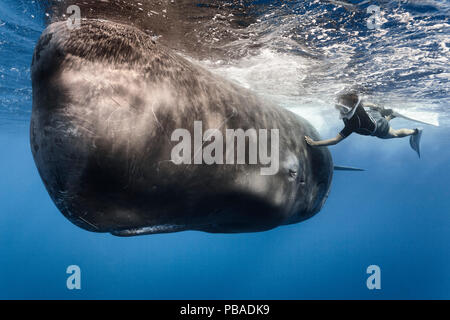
(107,99)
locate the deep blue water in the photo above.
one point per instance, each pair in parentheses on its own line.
(394,215)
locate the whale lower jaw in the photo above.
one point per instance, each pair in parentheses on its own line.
(163,228)
(211,228)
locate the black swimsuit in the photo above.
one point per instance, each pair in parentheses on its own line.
(370,123)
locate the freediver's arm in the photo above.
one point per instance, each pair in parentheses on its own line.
(323,143)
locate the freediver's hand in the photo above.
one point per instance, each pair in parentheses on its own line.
(310,141)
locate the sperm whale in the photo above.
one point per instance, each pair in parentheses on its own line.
(107,99)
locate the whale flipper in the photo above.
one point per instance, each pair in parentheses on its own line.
(343,168)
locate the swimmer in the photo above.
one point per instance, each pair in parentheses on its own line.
(366,119)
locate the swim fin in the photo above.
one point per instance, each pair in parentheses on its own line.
(414,141)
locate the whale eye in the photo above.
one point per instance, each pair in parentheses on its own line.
(292,173)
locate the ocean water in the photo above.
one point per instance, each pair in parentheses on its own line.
(395,215)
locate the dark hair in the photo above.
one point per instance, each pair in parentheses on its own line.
(349,99)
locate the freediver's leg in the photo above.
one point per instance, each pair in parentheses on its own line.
(400,133)
(414,137)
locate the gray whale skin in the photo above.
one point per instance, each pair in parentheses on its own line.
(106,99)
